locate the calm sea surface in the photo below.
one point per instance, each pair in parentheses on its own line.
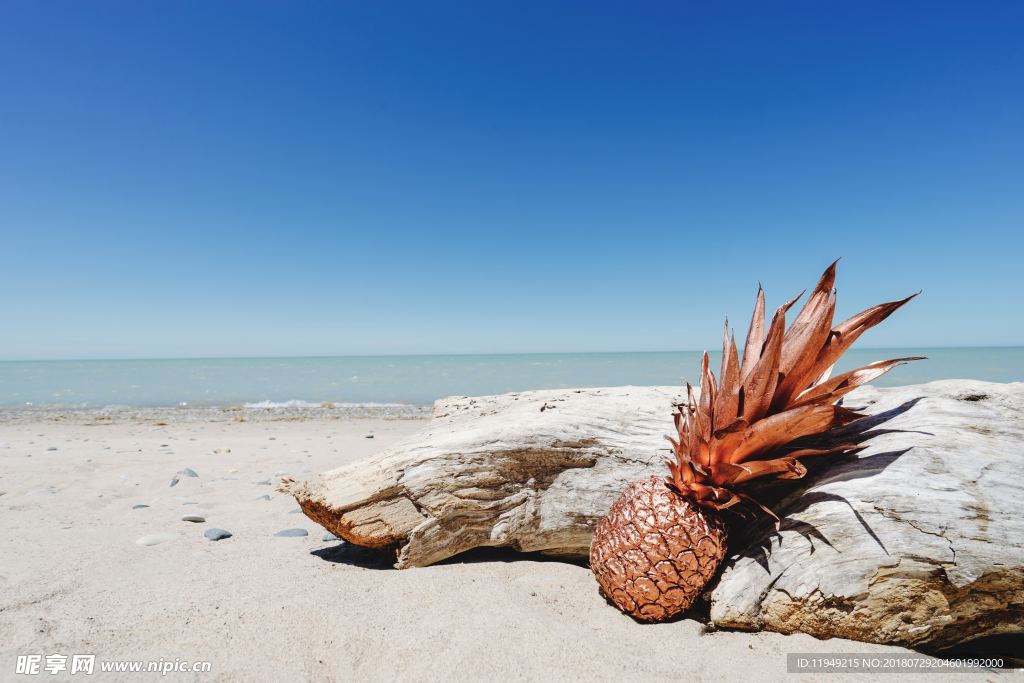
(414,379)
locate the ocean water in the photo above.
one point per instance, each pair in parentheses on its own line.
(416,380)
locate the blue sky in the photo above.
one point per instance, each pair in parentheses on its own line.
(194,179)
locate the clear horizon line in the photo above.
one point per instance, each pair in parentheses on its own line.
(436,355)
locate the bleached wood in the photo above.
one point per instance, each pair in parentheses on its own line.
(924,548)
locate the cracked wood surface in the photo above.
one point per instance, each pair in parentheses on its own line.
(922,547)
(533,471)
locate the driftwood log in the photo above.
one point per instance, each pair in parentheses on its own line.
(918,540)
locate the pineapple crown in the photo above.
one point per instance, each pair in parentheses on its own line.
(765,414)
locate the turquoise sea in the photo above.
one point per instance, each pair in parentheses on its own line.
(417,380)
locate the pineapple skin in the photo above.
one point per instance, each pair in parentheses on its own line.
(655,551)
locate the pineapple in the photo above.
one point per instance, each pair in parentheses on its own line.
(663,540)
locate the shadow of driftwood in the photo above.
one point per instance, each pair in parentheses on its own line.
(366,558)
(357,556)
(508,555)
(1007,646)
(792,497)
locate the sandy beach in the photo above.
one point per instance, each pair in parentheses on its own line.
(258,606)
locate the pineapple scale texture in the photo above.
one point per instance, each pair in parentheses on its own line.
(655,551)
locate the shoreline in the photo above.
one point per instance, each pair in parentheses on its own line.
(166,415)
(277,411)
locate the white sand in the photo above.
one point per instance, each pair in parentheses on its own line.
(73,579)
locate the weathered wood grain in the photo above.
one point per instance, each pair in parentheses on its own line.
(918,540)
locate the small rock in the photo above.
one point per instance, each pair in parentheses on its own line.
(193,518)
(331,537)
(139,506)
(217,534)
(189,472)
(295,511)
(265,482)
(174,481)
(369,436)
(292,532)
(52,448)
(155,539)
(264,497)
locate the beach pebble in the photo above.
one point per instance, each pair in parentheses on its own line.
(265,482)
(189,472)
(193,518)
(139,506)
(174,481)
(292,532)
(264,497)
(155,539)
(369,436)
(217,534)
(295,511)
(52,448)
(331,537)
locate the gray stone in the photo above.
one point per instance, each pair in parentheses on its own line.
(139,506)
(265,496)
(174,482)
(188,472)
(216,534)
(193,518)
(292,532)
(330,537)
